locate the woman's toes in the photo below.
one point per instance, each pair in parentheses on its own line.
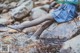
(15,27)
(12,26)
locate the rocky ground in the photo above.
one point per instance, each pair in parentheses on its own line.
(58,38)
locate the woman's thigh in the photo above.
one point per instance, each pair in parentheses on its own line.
(47,17)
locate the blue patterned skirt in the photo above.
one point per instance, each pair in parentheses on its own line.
(64,13)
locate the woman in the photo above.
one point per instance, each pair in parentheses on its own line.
(64,13)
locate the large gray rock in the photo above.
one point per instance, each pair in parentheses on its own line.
(5,19)
(71,46)
(22,10)
(63,30)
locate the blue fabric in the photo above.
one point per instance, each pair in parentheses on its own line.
(72,1)
(68,1)
(64,13)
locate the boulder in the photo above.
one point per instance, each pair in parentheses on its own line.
(7,5)
(71,46)
(63,30)
(8,39)
(5,19)
(22,10)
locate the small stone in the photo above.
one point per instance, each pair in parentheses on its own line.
(72,45)
(7,39)
(12,31)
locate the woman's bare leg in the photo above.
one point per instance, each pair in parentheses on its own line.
(32,23)
(45,25)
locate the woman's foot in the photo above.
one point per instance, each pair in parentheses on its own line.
(15,27)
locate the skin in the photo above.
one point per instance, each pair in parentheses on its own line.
(32,23)
(48,20)
(45,25)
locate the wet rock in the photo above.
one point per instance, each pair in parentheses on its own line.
(12,5)
(7,39)
(38,4)
(41,1)
(21,39)
(12,31)
(22,10)
(3,29)
(27,19)
(6,6)
(42,47)
(19,42)
(2,7)
(5,19)
(9,1)
(4,11)
(71,46)
(63,30)
(16,23)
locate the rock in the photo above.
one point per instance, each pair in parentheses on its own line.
(0,38)
(20,2)
(22,10)
(5,7)
(71,46)
(12,31)
(45,1)
(12,5)
(9,1)
(21,39)
(4,11)
(42,47)
(38,4)
(2,7)
(9,6)
(63,30)
(27,19)
(37,12)
(8,39)
(4,29)
(16,23)
(46,7)
(5,19)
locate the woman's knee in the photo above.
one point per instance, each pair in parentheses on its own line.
(46,24)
